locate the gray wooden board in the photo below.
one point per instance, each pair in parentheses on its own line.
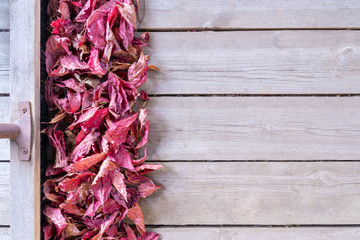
(248,128)
(4,194)
(4,61)
(254,128)
(235,233)
(247,233)
(25,86)
(255,62)
(246,193)
(253,14)
(4,118)
(5,233)
(269,193)
(260,62)
(250,14)
(4,14)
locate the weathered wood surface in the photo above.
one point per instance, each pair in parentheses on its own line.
(255,62)
(270,193)
(25,86)
(4,233)
(249,128)
(4,14)
(255,193)
(246,14)
(4,118)
(233,233)
(255,128)
(250,14)
(285,62)
(4,61)
(4,194)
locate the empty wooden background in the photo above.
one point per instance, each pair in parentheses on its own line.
(255,115)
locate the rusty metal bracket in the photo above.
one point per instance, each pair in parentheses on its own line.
(20,130)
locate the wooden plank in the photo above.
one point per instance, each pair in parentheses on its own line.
(247,193)
(246,233)
(25,86)
(4,14)
(255,62)
(4,233)
(4,60)
(250,14)
(168,14)
(223,233)
(254,128)
(280,62)
(4,194)
(269,193)
(4,118)
(300,130)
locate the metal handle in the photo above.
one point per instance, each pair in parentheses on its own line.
(20,131)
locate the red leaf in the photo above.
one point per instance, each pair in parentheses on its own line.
(146,168)
(85,11)
(84,147)
(72,209)
(55,216)
(71,184)
(145,137)
(118,182)
(48,231)
(94,63)
(117,133)
(122,158)
(57,140)
(138,72)
(101,185)
(129,232)
(56,47)
(135,214)
(105,226)
(85,163)
(49,188)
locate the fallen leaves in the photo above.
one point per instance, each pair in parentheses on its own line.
(95,66)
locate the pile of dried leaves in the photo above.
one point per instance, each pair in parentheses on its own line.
(95,67)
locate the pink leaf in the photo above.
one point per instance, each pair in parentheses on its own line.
(55,216)
(135,214)
(86,163)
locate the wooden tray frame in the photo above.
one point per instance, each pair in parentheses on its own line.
(25,86)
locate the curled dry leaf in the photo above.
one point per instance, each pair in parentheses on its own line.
(95,66)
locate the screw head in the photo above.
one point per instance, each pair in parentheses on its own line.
(24,110)
(24,151)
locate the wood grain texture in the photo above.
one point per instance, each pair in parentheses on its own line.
(334,233)
(235,233)
(269,193)
(4,14)
(280,62)
(4,61)
(254,128)
(250,14)
(274,128)
(4,118)
(273,193)
(4,194)
(223,233)
(255,62)
(25,86)
(4,233)
(168,14)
